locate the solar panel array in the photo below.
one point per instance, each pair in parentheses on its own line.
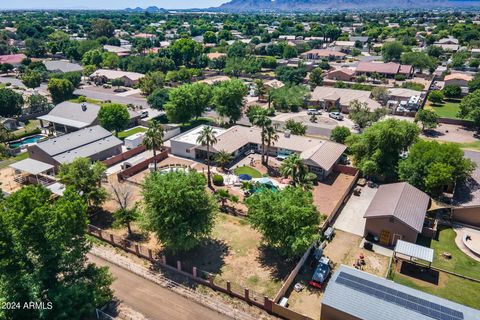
(422,306)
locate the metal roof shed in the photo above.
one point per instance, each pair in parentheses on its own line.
(412,250)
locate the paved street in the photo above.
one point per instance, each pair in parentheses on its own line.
(154,301)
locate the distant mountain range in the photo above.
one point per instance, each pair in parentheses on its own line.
(319,5)
(152,9)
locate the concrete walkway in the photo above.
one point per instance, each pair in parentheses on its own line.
(474,234)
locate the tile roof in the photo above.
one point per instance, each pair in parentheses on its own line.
(402,201)
(115,74)
(458,76)
(12,58)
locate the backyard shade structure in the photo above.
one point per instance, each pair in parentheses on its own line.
(354,294)
(31,166)
(31,171)
(245,177)
(413,251)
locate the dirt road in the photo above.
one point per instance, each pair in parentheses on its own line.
(154,301)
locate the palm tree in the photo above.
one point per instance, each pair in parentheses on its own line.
(271,137)
(207,138)
(294,167)
(262,121)
(222,158)
(153,139)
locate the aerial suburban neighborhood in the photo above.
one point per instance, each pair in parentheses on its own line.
(285,159)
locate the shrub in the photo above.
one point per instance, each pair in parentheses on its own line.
(400,77)
(217,180)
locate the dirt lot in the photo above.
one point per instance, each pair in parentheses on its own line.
(343,249)
(329,192)
(6,180)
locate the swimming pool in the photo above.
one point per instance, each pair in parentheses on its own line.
(26,141)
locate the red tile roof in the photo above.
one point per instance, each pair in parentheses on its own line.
(12,58)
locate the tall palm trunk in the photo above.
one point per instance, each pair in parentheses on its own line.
(208,167)
(155,159)
(266,155)
(263,146)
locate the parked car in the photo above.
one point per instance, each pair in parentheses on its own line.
(311,112)
(321,273)
(144,114)
(336,115)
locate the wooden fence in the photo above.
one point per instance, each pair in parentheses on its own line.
(197,275)
(133,170)
(124,156)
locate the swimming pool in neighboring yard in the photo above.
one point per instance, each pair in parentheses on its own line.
(20,143)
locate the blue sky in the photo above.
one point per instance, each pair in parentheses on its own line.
(107,4)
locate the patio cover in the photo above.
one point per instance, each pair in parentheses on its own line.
(31,166)
(414,251)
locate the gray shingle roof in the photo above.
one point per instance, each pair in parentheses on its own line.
(365,306)
(62,66)
(74,140)
(77,115)
(402,201)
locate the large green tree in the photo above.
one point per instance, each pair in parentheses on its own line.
(114,117)
(392,51)
(228,98)
(151,81)
(85,178)
(60,89)
(377,150)
(432,166)
(428,119)
(178,209)
(287,219)
(360,114)
(470,108)
(43,247)
(11,103)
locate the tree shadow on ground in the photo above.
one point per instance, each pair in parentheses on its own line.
(431,133)
(209,256)
(270,259)
(102,219)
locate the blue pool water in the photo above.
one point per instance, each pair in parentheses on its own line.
(25,141)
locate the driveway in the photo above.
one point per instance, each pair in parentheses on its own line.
(152,300)
(323,127)
(351,218)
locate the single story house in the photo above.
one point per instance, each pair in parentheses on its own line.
(402,94)
(215,79)
(319,155)
(69,116)
(340,98)
(119,51)
(344,45)
(273,84)
(320,54)
(466,197)
(352,294)
(13,59)
(61,66)
(362,39)
(129,78)
(387,70)
(95,143)
(458,79)
(342,74)
(397,211)
(448,44)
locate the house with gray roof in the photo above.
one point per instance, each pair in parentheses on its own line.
(69,116)
(396,212)
(61,66)
(352,294)
(95,143)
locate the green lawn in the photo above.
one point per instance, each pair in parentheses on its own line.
(460,262)
(126,133)
(31,127)
(447,110)
(195,123)
(88,100)
(5,163)
(248,170)
(452,287)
